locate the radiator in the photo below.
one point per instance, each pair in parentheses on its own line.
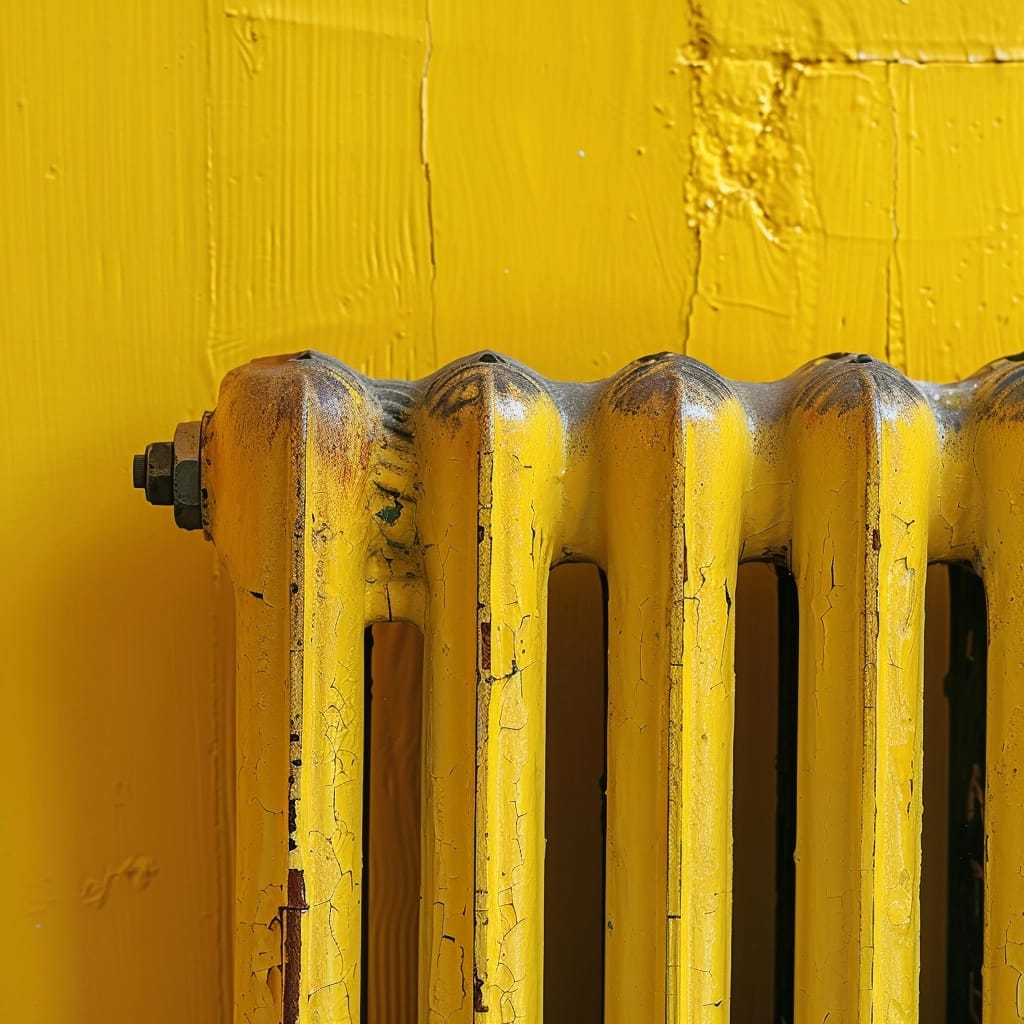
(335,501)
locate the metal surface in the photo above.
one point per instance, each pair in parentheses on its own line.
(336,501)
(154,473)
(169,472)
(186,477)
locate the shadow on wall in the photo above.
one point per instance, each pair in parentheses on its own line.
(137,902)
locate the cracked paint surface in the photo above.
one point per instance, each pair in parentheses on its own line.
(840,472)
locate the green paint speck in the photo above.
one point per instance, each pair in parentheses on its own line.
(390,513)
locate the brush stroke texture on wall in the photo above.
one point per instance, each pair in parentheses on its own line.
(185,186)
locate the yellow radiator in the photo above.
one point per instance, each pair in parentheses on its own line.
(336,501)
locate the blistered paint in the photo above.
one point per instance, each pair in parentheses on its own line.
(184,187)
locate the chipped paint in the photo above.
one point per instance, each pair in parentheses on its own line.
(291,914)
(840,471)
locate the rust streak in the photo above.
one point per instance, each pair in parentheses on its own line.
(485,646)
(292,914)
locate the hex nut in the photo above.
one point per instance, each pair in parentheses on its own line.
(170,473)
(160,473)
(187,494)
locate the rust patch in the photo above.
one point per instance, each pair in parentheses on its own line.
(274,395)
(479,1006)
(341,432)
(1001,395)
(876,539)
(397,400)
(668,380)
(292,813)
(292,914)
(842,385)
(472,381)
(485,646)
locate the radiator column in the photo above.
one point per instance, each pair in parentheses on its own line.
(997,458)
(863,448)
(675,455)
(493,456)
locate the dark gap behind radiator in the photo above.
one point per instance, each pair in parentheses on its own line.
(764,802)
(392,825)
(575,784)
(953,863)
(764,795)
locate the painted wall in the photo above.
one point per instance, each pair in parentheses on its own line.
(186,185)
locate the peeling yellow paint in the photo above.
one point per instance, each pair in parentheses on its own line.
(864,459)
(666,476)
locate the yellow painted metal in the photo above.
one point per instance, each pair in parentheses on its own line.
(185,186)
(996,486)
(301,433)
(517,511)
(447,521)
(495,444)
(447,502)
(673,464)
(251,440)
(863,451)
(327,723)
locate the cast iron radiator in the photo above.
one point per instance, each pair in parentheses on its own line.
(336,501)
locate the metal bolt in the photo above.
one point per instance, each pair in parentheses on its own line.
(169,473)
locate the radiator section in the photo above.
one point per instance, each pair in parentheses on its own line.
(995,490)
(863,452)
(336,501)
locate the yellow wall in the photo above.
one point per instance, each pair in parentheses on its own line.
(186,185)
